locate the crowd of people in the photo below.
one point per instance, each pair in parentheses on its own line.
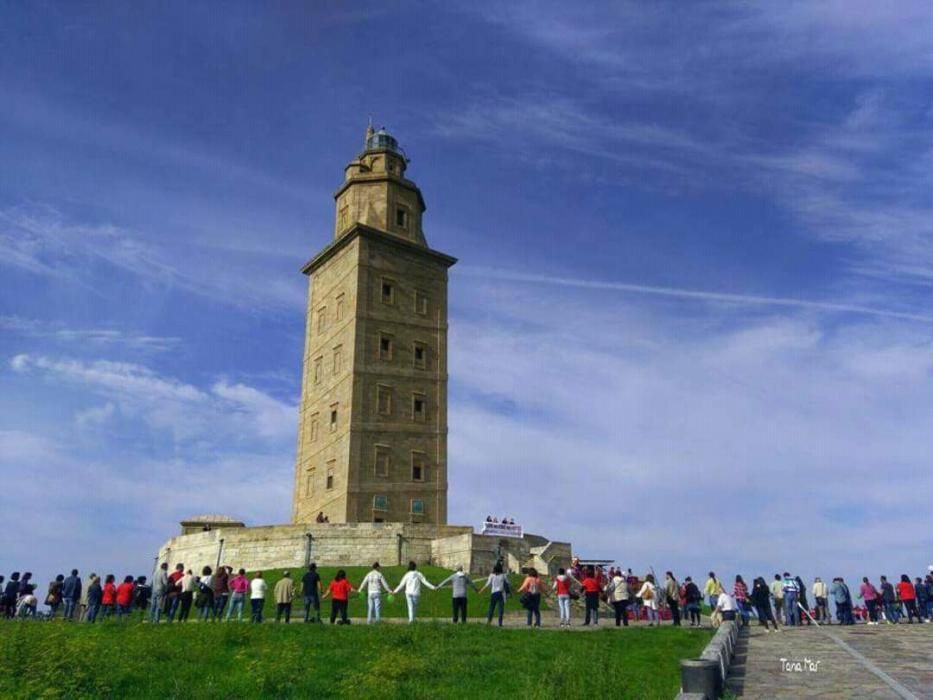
(222,595)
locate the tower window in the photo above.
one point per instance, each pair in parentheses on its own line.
(421,303)
(380,503)
(385,347)
(384,400)
(333,418)
(417,506)
(388,292)
(340,300)
(417,466)
(321,319)
(330,474)
(338,359)
(343,218)
(419,356)
(314,427)
(383,461)
(318,369)
(419,407)
(401,218)
(309,481)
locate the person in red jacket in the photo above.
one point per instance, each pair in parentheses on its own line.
(908,596)
(109,596)
(124,597)
(339,590)
(591,591)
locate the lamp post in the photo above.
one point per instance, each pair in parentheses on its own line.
(308,548)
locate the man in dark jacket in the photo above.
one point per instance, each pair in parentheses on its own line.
(10,594)
(71,594)
(311,588)
(892,611)
(94,596)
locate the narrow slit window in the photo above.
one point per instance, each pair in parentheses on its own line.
(384,400)
(385,348)
(388,292)
(417,467)
(419,356)
(419,407)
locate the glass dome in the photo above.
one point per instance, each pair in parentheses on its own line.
(382,140)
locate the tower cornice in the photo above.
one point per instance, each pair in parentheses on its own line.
(382,177)
(362,231)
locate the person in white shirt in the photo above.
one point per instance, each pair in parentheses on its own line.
(412,582)
(821,593)
(498,585)
(727,606)
(374,583)
(257,596)
(649,596)
(618,597)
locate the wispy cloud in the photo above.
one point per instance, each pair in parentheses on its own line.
(40,240)
(693,294)
(657,418)
(59,331)
(192,414)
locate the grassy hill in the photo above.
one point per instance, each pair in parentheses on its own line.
(428,660)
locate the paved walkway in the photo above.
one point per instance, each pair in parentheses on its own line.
(884,661)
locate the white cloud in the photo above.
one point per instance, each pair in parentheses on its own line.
(41,240)
(191,414)
(640,431)
(58,331)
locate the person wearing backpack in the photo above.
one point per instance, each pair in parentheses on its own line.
(649,596)
(205,596)
(843,600)
(672,595)
(54,596)
(694,597)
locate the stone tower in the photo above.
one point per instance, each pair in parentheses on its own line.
(372,440)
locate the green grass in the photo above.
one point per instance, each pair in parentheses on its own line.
(428,660)
(432,603)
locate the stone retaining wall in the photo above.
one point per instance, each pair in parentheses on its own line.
(708,682)
(279,546)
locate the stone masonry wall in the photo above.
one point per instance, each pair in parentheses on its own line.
(358,544)
(278,546)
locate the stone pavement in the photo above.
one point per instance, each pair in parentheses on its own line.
(884,661)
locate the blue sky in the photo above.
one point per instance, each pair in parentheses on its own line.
(692,303)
